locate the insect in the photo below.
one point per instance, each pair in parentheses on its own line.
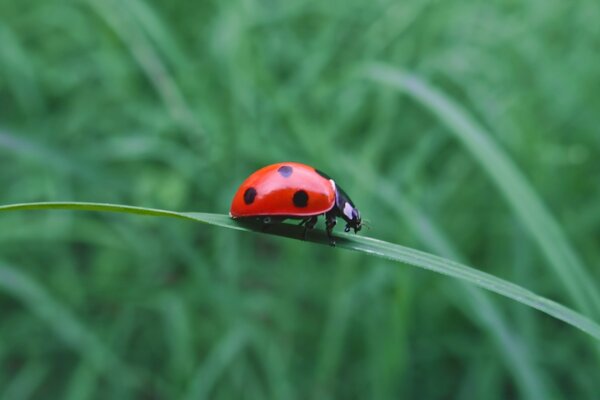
(292,190)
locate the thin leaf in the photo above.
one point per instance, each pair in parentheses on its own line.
(361,244)
(64,323)
(521,196)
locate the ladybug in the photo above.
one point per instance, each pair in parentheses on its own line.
(292,190)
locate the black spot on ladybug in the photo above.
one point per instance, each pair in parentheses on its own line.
(323,174)
(300,198)
(285,171)
(249,195)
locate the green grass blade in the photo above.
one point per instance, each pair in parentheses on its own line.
(66,326)
(361,244)
(18,72)
(28,380)
(520,195)
(150,61)
(216,363)
(480,303)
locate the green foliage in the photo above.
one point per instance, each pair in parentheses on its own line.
(346,241)
(468,130)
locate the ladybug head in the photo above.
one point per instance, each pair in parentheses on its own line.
(348,211)
(354,222)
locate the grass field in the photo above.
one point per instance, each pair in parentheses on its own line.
(465,129)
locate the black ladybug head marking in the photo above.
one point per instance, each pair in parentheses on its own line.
(352,217)
(249,195)
(285,171)
(300,198)
(346,209)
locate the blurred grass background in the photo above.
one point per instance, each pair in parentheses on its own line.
(172,104)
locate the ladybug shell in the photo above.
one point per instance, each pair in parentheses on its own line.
(284,189)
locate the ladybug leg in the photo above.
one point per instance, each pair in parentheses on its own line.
(309,223)
(305,220)
(329,224)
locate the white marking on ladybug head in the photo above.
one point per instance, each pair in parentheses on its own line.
(348,210)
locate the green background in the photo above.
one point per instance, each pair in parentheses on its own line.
(172,104)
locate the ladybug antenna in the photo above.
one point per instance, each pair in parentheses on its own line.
(367,224)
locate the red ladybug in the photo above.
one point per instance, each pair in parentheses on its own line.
(293,190)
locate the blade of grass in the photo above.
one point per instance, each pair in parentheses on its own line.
(16,143)
(18,73)
(178,334)
(27,381)
(518,361)
(83,383)
(521,196)
(151,63)
(361,244)
(215,364)
(62,321)
(158,31)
